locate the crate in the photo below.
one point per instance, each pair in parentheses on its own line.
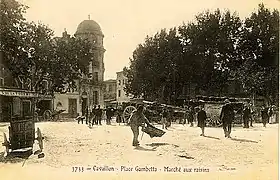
(21,134)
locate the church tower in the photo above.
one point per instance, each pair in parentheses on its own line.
(91,85)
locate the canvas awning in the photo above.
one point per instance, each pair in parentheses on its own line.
(17,93)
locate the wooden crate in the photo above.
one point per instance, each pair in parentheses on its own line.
(21,134)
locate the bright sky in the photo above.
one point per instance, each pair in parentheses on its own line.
(125,23)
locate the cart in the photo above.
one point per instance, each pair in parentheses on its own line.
(152,112)
(22,135)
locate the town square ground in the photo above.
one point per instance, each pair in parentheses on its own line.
(76,151)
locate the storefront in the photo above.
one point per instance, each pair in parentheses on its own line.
(15,103)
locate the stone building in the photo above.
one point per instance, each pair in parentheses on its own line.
(110,92)
(16,96)
(121,95)
(89,90)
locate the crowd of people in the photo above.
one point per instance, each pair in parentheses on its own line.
(227,115)
(97,114)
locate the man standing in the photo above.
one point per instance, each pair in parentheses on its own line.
(98,115)
(201,118)
(164,115)
(93,115)
(108,115)
(191,115)
(227,117)
(265,116)
(247,116)
(137,119)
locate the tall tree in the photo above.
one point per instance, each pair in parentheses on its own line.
(211,43)
(153,69)
(260,54)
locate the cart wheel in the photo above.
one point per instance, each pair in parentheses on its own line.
(6,143)
(40,139)
(47,115)
(127,113)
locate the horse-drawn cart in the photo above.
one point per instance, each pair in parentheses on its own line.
(22,135)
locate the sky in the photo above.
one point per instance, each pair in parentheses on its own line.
(126,23)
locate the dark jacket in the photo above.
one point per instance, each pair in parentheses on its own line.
(138,119)
(98,112)
(227,113)
(201,118)
(247,113)
(264,113)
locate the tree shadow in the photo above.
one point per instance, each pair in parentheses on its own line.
(140,148)
(211,137)
(243,140)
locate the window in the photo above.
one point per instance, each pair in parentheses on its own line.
(119,93)
(26,105)
(95,97)
(120,82)
(45,84)
(95,76)
(1,81)
(110,88)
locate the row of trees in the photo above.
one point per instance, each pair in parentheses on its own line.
(217,47)
(32,55)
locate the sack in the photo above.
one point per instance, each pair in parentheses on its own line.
(153,131)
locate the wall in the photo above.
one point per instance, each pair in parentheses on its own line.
(64,100)
(121,80)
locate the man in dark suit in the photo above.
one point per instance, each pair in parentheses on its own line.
(247,116)
(227,117)
(93,115)
(264,114)
(201,118)
(98,115)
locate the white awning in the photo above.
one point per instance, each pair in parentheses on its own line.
(17,93)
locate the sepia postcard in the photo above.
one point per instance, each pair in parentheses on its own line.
(139,89)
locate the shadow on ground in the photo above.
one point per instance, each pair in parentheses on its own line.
(140,148)
(161,144)
(185,156)
(243,140)
(211,137)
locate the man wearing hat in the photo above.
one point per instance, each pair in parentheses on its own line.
(201,119)
(247,116)
(227,117)
(137,119)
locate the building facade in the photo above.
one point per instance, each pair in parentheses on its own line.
(110,92)
(16,96)
(121,94)
(90,87)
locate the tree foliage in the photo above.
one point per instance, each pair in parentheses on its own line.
(260,53)
(34,56)
(210,52)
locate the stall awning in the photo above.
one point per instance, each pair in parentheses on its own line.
(17,93)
